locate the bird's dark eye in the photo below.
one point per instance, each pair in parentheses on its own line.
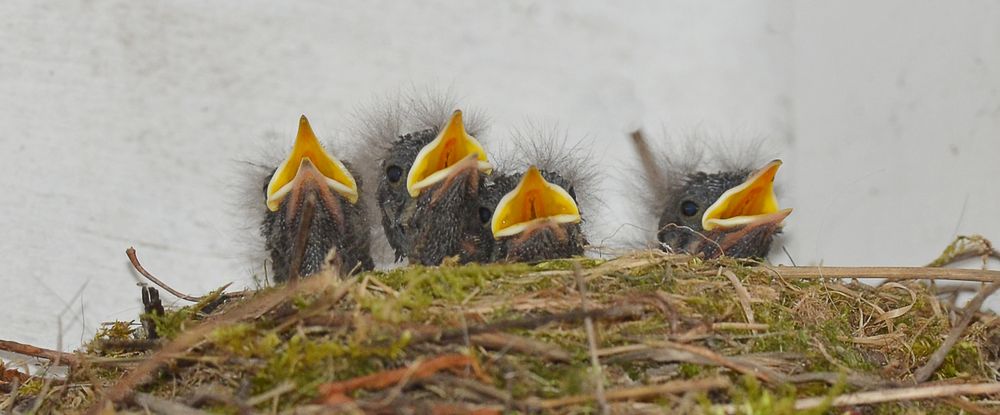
(689,208)
(394,173)
(485,215)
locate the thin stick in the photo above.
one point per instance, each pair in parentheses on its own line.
(626,312)
(742,294)
(974,305)
(902,394)
(142,271)
(742,368)
(34,351)
(888,273)
(643,392)
(382,380)
(595,362)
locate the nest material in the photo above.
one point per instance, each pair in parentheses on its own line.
(646,332)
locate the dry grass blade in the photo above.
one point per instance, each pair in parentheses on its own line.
(742,294)
(595,361)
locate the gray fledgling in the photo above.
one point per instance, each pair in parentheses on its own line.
(314,217)
(732,212)
(431,183)
(538,213)
(537,218)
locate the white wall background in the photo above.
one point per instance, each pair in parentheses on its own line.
(122,123)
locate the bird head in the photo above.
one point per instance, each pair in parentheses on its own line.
(313,210)
(536,218)
(430,188)
(449,158)
(735,213)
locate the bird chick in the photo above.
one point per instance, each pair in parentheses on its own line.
(431,195)
(537,218)
(314,217)
(732,212)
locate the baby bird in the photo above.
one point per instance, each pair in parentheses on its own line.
(537,216)
(431,187)
(313,214)
(536,219)
(732,212)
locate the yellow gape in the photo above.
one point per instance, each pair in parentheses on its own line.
(307,147)
(532,202)
(743,204)
(437,160)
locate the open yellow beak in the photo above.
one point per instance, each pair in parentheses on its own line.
(436,161)
(533,201)
(307,147)
(752,200)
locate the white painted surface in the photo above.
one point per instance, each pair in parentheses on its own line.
(123,122)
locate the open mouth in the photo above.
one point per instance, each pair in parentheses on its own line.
(443,156)
(533,202)
(752,202)
(307,159)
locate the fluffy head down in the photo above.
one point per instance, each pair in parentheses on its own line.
(678,161)
(551,149)
(392,131)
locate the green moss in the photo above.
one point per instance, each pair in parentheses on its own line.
(751,398)
(173,322)
(963,360)
(32,387)
(689,370)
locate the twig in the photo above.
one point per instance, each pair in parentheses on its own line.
(388,378)
(743,368)
(902,394)
(742,294)
(925,371)
(965,247)
(726,325)
(888,273)
(34,351)
(611,313)
(643,392)
(595,362)
(273,393)
(142,271)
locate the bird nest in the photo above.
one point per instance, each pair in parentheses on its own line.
(646,332)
